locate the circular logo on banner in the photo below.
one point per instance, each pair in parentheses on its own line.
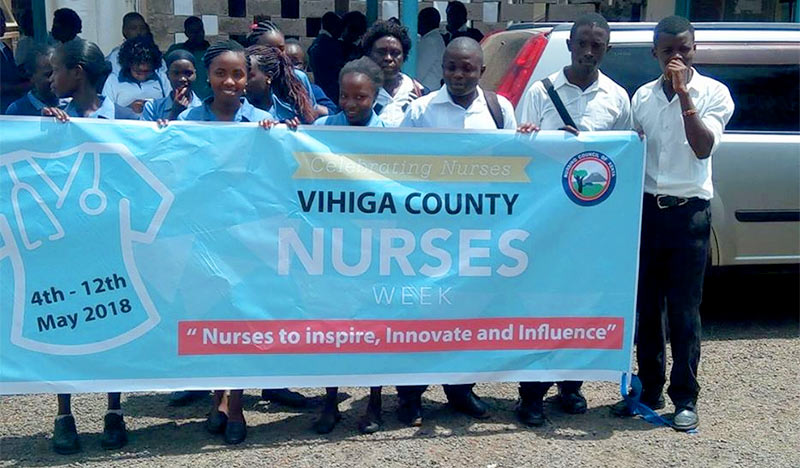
(589,178)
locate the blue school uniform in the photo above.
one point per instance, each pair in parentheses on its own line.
(323,99)
(160,108)
(108,110)
(123,89)
(26,105)
(341,119)
(246,113)
(283,110)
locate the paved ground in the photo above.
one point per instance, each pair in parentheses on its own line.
(749,408)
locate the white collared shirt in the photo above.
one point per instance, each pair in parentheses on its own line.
(437,110)
(392,109)
(672,168)
(430,51)
(604,105)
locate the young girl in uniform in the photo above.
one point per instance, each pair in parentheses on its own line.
(227,76)
(78,67)
(138,80)
(37,66)
(274,82)
(359,84)
(181,72)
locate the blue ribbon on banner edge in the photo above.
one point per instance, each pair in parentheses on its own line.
(632,399)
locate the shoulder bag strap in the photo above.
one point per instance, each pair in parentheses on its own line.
(562,111)
(494,109)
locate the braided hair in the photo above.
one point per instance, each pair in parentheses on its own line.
(219,48)
(260,29)
(285,84)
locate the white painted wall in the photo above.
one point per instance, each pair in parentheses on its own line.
(102,19)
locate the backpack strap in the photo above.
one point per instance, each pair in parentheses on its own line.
(562,110)
(494,109)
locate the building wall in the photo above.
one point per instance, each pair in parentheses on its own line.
(166,16)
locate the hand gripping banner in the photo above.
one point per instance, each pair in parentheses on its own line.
(226,256)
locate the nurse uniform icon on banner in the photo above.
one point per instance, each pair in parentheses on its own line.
(68,227)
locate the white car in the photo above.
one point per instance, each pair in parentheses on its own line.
(756,170)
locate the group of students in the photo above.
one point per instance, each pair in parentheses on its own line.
(682,113)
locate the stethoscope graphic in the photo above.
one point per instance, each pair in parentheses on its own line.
(93,191)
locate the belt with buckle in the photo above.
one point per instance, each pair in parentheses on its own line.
(670,201)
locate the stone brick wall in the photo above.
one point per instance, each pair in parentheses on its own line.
(166,16)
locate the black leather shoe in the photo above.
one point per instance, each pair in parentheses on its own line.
(65,436)
(114,434)
(216,422)
(685,420)
(284,396)
(186,397)
(573,402)
(235,432)
(471,405)
(531,412)
(621,410)
(327,421)
(409,412)
(370,422)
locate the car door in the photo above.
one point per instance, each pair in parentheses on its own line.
(756,207)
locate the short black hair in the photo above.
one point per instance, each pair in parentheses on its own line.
(139,50)
(387,28)
(191,20)
(367,67)
(331,22)
(356,20)
(673,25)
(457,7)
(590,19)
(132,15)
(31,59)
(68,17)
(429,17)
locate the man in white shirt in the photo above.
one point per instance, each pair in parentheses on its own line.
(460,104)
(594,102)
(430,49)
(683,115)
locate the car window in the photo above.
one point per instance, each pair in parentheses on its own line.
(630,65)
(499,50)
(762,79)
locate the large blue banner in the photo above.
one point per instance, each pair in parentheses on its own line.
(228,256)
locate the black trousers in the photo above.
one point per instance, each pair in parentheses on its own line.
(537,390)
(672,264)
(409,392)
